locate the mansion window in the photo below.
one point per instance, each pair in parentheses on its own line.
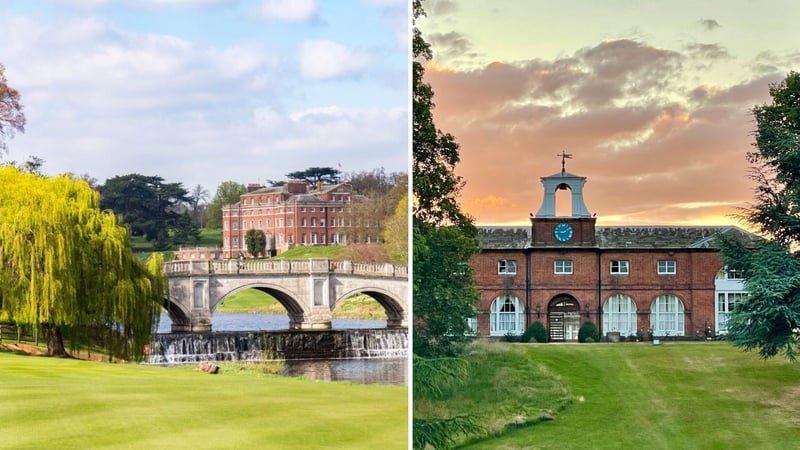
(733,274)
(322,222)
(235,224)
(506,267)
(619,267)
(666,316)
(279,222)
(726,301)
(313,221)
(303,222)
(235,242)
(563,266)
(506,316)
(619,314)
(666,267)
(289,222)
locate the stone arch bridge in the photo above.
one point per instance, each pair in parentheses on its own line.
(309,289)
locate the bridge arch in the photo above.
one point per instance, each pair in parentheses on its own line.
(285,297)
(395,313)
(180,318)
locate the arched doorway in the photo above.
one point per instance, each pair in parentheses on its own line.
(563,318)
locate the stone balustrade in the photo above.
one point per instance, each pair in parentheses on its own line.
(284,266)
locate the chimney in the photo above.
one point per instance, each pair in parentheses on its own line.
(253,187)
(296,186)
(319,185)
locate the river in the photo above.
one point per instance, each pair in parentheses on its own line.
(366,371)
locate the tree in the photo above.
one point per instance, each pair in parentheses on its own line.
(395,234)
(12,118)
(314,175)
(770,317)
(185,230)
(444,240)
(197,204)
(228,193)
(256,241)
(146,203)
(444,237)
(64,263)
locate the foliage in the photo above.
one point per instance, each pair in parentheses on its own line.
(146,203)
(444,294)
(370,211)
(536,332)
(198,199)
(768,320)
(588,333)
(395,234)
(66,263)
(185,230)
(375,182)
(314,175)
(434,378)
(256,241)
(776,170)
(506,388)
(228,193)
(11,116)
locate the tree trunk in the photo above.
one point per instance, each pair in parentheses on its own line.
(55,341)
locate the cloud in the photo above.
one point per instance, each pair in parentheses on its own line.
(709,24)
(644,134)
(290,11)
(324,59)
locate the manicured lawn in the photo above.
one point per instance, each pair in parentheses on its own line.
(64,403)
(704,395)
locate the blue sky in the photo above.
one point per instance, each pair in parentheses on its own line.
(205,91)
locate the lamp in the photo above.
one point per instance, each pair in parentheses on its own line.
(586,309)
(538,310)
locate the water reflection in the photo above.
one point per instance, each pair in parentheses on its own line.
(366,371)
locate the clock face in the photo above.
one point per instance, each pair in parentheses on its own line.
(563,232)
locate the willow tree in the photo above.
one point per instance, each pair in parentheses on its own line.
(66,264)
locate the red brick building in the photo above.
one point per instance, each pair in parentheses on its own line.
(289,215)
(564,271)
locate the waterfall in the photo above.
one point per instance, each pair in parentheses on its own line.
(185,348)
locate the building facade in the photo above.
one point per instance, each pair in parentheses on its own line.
(289,215)
(564,271)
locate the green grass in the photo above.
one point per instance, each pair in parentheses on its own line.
(254,301)
(66,403)
(704,395)
(319,251)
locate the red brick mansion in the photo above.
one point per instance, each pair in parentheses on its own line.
(564,271)
(292,214)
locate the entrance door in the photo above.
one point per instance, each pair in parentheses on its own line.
(564,319)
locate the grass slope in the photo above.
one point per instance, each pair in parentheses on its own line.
(64,403)
(706,395)
(254,301)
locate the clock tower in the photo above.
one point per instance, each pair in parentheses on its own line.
(575,230)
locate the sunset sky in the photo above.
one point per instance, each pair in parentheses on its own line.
(653,99)
(205,91)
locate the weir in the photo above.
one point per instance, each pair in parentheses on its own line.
(186,348)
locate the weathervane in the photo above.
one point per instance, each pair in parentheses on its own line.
(564,155)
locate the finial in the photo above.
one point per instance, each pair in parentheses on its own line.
(564,155)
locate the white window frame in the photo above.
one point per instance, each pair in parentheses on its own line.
(619,314)
(667,316)
(667,267)
(506,316)
(726,301)
(507,267)
(620,267)
(562,267)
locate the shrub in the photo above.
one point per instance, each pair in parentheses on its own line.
(587,333)
(536,332)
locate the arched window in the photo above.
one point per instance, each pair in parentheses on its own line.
(506,316)
(619,314)
(666,316)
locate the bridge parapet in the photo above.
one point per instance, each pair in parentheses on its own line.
(284,266)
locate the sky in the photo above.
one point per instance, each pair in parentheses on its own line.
(653,99)
(205,91)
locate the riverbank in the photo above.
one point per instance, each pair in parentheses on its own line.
(84,404)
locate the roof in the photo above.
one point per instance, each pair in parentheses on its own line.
(632,237)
